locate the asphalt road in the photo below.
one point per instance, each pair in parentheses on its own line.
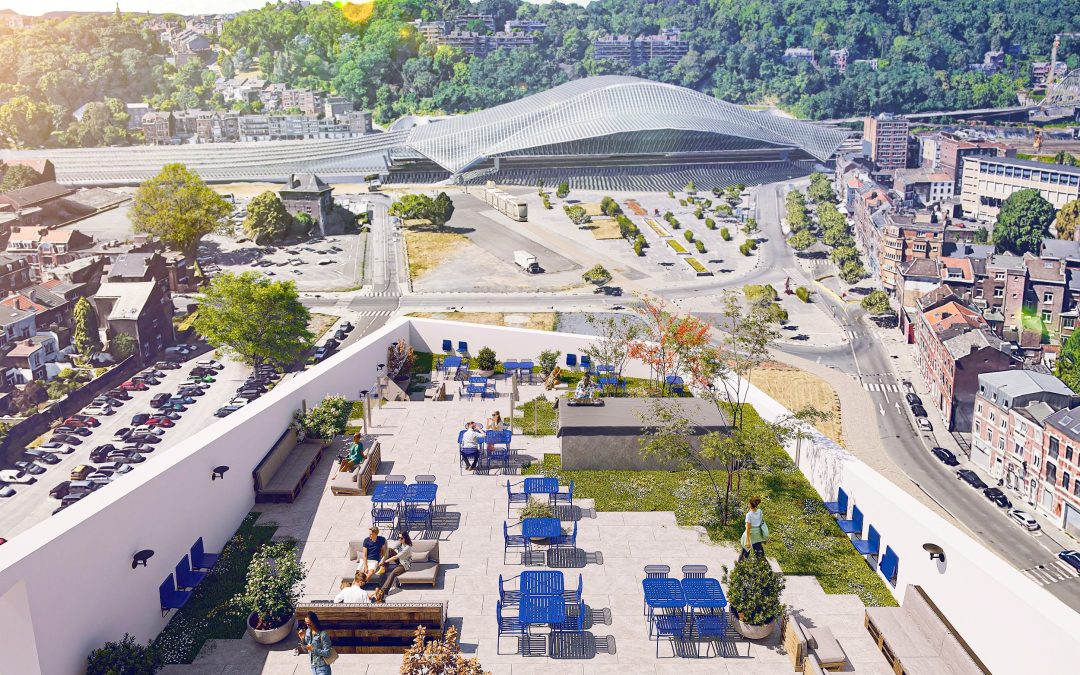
(32,503)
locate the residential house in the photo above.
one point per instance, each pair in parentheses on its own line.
(905,237)
(1057,489)
(800,54)
(307,193)
(335,106)
(839,59)
(955,146)
(216,127)
(16,324)
(482,44)
(43,166)
(138,309)
(136,112)
(42,248)
(304,100)
(33,204)
(1011,408)
(28,359)
(953,346)
(922,187)
(53,310)
(14,274)
(136,267)
(159,128)
(669,46)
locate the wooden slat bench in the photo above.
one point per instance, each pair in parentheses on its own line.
(376,629)
(284,470)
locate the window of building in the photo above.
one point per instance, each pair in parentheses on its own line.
(1068,321)
(1046,316)
(977,427)
(992,415)
(1068,452)
(999,292)
(1003,422)
(1018,450)
(1048,297)
(1065,479)
(1053,448)
(1051,473)
(999,275)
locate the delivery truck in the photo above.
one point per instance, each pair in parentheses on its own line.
(526,261)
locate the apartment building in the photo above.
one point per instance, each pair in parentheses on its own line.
(304,100)
(988,181)
(923,186)
(668,46)
(886,138)
(954,147)
(1057,488)
(905,237)
(482,44)
(1011,408)
(216,127)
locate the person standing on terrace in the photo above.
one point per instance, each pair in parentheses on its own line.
(756,533)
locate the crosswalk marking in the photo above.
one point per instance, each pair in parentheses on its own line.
(379,294)
(382,312)
(1051,573)
(875,386)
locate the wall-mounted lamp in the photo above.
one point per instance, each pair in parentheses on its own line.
(935,551)
(380,367)
(219,472)
(141,557)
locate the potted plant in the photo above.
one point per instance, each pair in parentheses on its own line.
(275,582)
(548,360)
(326,420)
(485,362)
(754,596)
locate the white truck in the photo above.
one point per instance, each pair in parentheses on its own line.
(526,261)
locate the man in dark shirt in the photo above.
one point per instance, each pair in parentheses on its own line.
(372,551)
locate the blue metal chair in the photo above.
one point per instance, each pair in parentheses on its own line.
(694,571)
(575,621)
(839,507)
(463,454)
(565,540)
(417,515)
(514,498)
(201,560)
(654,572)
(854,525)
(448,346)
(170,597)
(509,625)
(869,546)
(463,347)
(571,360)
(185,577)
(508,597)
(513,541)
(586,362)
(571,595)
(568,495)
(382,515)
(496,455)
(890,565)
(712,628)
(671,626)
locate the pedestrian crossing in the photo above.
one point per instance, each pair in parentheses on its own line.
(877,386)
(1051,573)
(376,312)
(380,294)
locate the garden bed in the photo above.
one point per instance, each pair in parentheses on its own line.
(698,267)
(804,537)
(677,247)
(657,228)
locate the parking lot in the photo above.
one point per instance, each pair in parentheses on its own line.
(328,263)
(31,504)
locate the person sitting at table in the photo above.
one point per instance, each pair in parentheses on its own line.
(397,563)
(355,456)
(373,549)
(495,422)
(354,592)
(584,390)
(470,445)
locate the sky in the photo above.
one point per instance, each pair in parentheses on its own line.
(39,7)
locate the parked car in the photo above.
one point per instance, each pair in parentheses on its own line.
(122,433)
(17,476)
(319,354)
(140,418)
(347,327)
(913,399)
(205,379)
(143,438)
(57,448)
(35,455)
(148,379)
(944,456)
(172,411)
(1023,519)
(98,410)
(1071,557)
(182,350)
(147,429)
(194,383)
(83,419)
(918,411)
(108,401)
(924,424)
(117,467)
(137,447)
(66,438)
(203,371)
(185,400)
(77,431)
(6,491)
(248,395)
(226,410)
(166,365)
(210,363)
(237,401)
(99,453)
(998,497)
(159,400)
(340,334)
(190,391)
(152,372)
(133,385)
(122,457)
(160,422)
(30,467)
(971,478)
(120,393)
(253,386)
(60,490)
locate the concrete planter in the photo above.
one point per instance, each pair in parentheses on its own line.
(752,631)
(272,636)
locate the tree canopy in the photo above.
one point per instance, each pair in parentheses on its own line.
(266,218)
(1068,218)
(86,339)
(178,208)
(1023,222)
(19,176)
(256,319)
(1067,367)
(876,302)
(438,210)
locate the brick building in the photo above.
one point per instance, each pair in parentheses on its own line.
(887,139)
(307,193)
(1057,488)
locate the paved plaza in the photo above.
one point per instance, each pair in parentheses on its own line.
(420,438)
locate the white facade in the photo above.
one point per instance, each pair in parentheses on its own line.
(988,181)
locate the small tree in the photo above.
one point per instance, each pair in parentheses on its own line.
(801,240)
(802,293)
(548,360)
(725,234)
(754,590)
(876,302)
(758,293)
(700,246)
(688,236)
(747,247)
(126,657)
(563,190)
(275,582)
(638,249)
(1068,218)
(485,359)
(178,208)
(1023,222)
(438,657)
(18,176)
(852,272)
(614,335)
(597,275)
(122,345)
(267,219)
(690,188)
(750,227)
(1067,367)
(86,338)
(710,224)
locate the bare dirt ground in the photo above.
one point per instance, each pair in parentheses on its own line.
(795,389)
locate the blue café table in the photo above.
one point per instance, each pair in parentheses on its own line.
(541,582)
(420,493)
(540,609)
(538,528)
(664,593)
(388,493)
(541,486)
(703,594)
(451,362)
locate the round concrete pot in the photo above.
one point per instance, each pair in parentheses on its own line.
(272,636)
(752,631)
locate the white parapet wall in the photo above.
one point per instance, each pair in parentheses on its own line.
(67,586)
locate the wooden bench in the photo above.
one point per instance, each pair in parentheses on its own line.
(284,470)
(916,638)
(358,481)
(376,629)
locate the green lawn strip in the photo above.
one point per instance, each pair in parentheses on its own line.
(676,246)
(804,538)
(206,616)
(698,267)
(657,228)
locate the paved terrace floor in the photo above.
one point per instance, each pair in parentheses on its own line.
(420,438)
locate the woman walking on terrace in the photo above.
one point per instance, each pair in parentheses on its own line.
(756,533)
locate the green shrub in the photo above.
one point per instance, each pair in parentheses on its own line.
(485,359)
(688,236)
(747,247)
(637,246)
(710,224)
(682,202)
(126,657)
(563,190)
(802,293)
(597,275)
(537,509)
(700,246)
(326,420)
(754,590)
(759,293)
(671,195)
(699,213)
(725,234)
(548,359)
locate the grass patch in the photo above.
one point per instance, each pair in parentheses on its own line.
(657,228)
(534,320)
(207,616)
(536,418)
(427,250)
(804,537)
(676,246)
(698,267)
(321,323)
(605,228)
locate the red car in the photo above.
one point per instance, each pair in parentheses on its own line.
(132,385)
(82,421)
(159,422)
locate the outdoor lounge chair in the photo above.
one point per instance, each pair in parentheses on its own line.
(201,560)
(713,628)
(839,507)
(170,597)
(854,525)
(869,546)
(448,345)
(463,348)
(185,577)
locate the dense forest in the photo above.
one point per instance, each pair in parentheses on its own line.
(374,56)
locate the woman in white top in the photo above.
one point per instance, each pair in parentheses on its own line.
(755,534)
(401,562)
